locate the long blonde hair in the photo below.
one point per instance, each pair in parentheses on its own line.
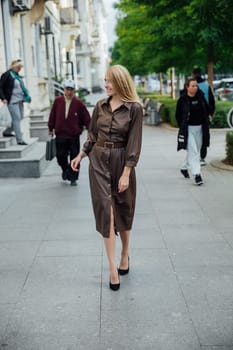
(122,82)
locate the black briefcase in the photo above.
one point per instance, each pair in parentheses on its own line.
(50,151)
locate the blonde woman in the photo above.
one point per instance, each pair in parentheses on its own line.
(113,147)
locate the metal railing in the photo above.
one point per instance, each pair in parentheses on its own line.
(58,88)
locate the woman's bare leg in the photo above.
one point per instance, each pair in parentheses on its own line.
(125,236)
(110,247)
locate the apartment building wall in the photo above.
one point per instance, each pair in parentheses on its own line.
(75,47)
(99,56)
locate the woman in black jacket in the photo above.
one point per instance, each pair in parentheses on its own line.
(192,116)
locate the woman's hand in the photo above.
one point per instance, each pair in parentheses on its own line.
(75,162)
(123,183)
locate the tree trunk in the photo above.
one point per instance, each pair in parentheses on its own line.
(210,71)
(172,83)
(210,64)
(161,83)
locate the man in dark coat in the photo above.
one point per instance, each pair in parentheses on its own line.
(67,118)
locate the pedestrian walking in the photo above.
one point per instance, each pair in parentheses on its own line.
(113,147)
(67,119)
(14,93)
(192,117)
(208,94)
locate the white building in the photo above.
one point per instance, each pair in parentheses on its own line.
(56,39)
(91,45)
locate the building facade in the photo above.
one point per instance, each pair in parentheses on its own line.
(56,39)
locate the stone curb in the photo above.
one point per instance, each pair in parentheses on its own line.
(220,165)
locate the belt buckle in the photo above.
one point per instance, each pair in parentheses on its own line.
(108,144)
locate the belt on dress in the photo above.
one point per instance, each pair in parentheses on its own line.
(110,144)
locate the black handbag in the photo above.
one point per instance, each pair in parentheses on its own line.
(50,151)
(181,140)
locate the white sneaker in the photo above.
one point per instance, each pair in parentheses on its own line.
(203,162)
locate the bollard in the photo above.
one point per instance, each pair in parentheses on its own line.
(154,117)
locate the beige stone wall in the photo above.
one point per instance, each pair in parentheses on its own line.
(29,45)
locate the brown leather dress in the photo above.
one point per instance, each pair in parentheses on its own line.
(122,128)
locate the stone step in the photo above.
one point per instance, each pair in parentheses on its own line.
(38,123)
(6,142)
(1,130)
(17,151)
(39,116)
(41,132)
(31,164)
(39,126)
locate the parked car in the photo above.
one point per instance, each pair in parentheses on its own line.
(225,90)
(216,84)
(82,91)
(153,84)
(96,89)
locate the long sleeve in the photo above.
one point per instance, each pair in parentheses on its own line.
(2,82)
(211,102)
(6,86)
(84,114)
(52,117)
(92,132)
(179,112)
(134,142)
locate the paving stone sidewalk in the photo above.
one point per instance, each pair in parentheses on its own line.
(178,295)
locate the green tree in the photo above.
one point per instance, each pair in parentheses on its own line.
(178,33)
(128,49)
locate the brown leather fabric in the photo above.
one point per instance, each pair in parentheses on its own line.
(122,127)
(108,144)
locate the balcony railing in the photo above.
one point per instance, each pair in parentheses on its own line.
(69,15)
(20,5)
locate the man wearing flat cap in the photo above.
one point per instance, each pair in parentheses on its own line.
(67,118)
(14,93)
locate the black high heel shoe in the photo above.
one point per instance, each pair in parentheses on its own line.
(123,272)
(114,286)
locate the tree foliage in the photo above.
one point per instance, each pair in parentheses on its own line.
(154,35)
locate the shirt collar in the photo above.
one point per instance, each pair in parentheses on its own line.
(68,99)
(106,101)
